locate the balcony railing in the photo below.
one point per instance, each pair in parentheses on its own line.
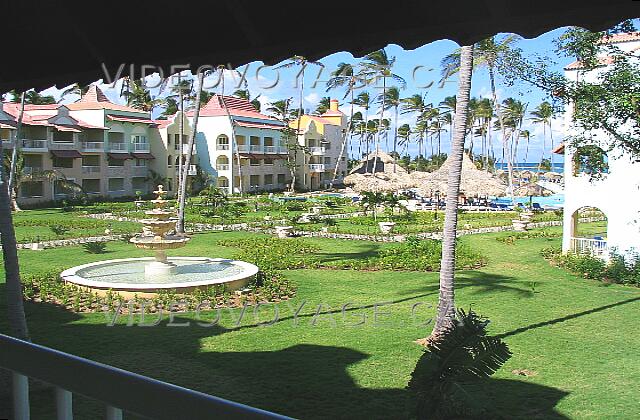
(317,167)
(141,147)
(192,171)
(93,146)
(317,150)
(222,167)
(593,247)
(63,145)
(90,169)
(243,148)
(222,147)
(34,144)
(117,147)
(139,170)
(255,148)
(30,170)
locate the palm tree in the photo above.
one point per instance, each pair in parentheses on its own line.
(543,114)
(34,98)
(378,65)
(302,62)
(449,106)
(323,105)
(415,104)
(512,113)
(170,106)
(485,118)
(138,96)
(391,99)
(526,135)
(446,298)
(344,75)
(281,109)
(404,134)
(364,100)
(15,304)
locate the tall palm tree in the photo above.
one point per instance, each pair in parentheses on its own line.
(415,104)
(344,76)
(34,98)
(15,305)
(281,109)
(391,99)
(446,297)
(183,90)
(543,114)
(485,118)
(526,135)
(364,101)
(513,113)
(15,153)
(323,105)
(138,96)
(448,104)
(374,66)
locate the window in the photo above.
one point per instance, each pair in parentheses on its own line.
(327,160)
(139,184)
(140,142)
(30,189)
(59,162)
(281,178)
(268,179)
(140,163)
(254,180)
(91,160)
(255,162)
(61,187)
(268,161)
(116,184)
(116,162)
(223,182)
(222,142)
(170,184)
(91,186)
(62,136)
(169,161)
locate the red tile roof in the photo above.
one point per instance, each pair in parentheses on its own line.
(259,125)
(622,37)
(29,118)
(237,107)
(130,119)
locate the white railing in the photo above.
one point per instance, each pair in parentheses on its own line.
(141,147)
(34,144)
(271,149)
(243,148)
(317,150)
(192,170)
(62,145)
(222,167)
(90,169)
(117,147)
(316,167)
(93,145)
(30,170)
(593,247)
(255,148)
(222,147)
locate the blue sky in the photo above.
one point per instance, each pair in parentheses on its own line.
(426,58)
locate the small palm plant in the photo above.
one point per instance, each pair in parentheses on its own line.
(460,356)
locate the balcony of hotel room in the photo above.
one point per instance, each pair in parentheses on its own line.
(7,135)
(34,138)
(91,140)
(317,147)
(257,144)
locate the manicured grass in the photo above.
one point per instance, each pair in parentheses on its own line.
(578,336)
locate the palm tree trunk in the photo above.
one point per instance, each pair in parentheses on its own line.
(344,141)
(544,144)
(183,182)
(384,91)
(395,140)
(14,157)
(551,137)
(15,304)
(180,146)
(446,298)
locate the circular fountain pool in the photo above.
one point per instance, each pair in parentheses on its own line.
(128,275)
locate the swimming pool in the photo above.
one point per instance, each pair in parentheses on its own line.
(555,200)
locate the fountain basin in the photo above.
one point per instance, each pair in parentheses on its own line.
(127,276)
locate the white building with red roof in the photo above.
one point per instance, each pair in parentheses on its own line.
(241,147)
(613,193)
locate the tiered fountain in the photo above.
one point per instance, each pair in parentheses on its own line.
(156,236)
(146,276)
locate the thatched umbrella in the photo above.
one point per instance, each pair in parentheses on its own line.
(474,182)
(379,182)
(553,175)
(530,190)
(384,163)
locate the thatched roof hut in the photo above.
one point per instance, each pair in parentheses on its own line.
(473,182)
(379,182)
(552,175)
(531,190)
(382,163)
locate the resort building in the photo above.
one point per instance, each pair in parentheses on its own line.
(258,163)
(107,149)
(321,148)
(612,191)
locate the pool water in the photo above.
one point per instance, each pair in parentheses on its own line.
(555,200)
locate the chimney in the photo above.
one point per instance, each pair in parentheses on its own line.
(333,105)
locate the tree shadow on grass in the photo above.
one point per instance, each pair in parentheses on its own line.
(363,251)
(300,380)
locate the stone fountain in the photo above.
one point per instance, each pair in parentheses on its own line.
(156,236)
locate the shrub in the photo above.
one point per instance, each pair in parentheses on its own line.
(275,254)
(59,230)
(95,247)
(617,270)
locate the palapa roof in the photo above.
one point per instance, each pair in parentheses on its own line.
(531,189)
(384,163)
(473,181)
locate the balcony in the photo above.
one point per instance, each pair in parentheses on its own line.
(141,147)
(275,149)
(63,145)
(256,148)
(316,151)
(222,167)
(31,170)
(192,171)
(139,171)
(90,169)
(243,148)
(7,143)
(316,167)
(92,146)
(29,145)
(118,147)
(593,247)
(222,146)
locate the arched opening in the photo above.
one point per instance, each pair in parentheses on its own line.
(222,142)
(223,182)
(222,163)
(591,160)
(169,161)
(589,232)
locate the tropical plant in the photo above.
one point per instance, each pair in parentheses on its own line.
(75,89)
(323,105)
(364,101)
(138,96)
(214,198)
(391,99)
(34,98)
(461,356)
(245,94)
(543,114)
(95,247)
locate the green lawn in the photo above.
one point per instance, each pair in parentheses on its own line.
(578,336)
